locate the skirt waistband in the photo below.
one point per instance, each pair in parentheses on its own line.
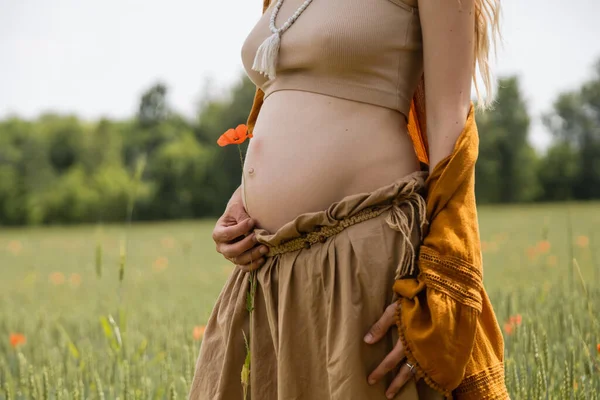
(310,228)
(320,234)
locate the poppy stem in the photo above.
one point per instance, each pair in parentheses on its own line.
(246,368)
(243,176)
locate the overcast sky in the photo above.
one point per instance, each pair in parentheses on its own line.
(95,58)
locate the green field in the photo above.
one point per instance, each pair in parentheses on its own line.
(89,335)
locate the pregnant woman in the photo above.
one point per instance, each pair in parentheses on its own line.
(357,209)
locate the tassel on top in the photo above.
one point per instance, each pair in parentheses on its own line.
(267,54)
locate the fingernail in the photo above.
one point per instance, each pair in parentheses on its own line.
(390,395)
(264,250)
(368,338)
(371,381)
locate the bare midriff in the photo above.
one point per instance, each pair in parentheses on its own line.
(310,150)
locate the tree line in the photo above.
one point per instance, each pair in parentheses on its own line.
(61,169)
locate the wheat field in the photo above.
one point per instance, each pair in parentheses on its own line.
(117,312)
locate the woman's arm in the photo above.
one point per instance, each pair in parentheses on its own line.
(448,28)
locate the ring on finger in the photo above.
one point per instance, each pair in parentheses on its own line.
(411,368)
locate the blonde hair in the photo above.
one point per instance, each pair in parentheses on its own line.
(487,33)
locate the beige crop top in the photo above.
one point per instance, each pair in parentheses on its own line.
(362,50)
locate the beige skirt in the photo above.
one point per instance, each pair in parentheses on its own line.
(327,279)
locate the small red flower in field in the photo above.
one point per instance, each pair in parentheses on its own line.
(513,322)
(17,339)
(234,136)
(57,278)
(543,246)
(15,247)
(516,319)
(583,241)
(161,263)
(598,348)
(199,332)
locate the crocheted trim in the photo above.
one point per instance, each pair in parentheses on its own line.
(452,276)
(320,235)
(405,211)
(420,373)
(488,384)
(459,268)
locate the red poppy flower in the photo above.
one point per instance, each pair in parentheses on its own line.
(17,339)
(234,136)
(516,319)
(543,246)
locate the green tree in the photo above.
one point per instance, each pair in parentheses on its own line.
(14,134)
(103,145)
(558,170)
(179,169)
(575,125)
(65,138)
(506,168)
(154,125)
(153,107)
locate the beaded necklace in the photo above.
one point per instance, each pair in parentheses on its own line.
(267,54)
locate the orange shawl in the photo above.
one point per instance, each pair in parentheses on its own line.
(445,318)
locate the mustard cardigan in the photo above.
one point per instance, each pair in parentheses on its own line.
(444,316)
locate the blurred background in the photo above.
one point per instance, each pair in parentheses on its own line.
(87,88)
(111,181)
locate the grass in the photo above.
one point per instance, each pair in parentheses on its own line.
(90,335)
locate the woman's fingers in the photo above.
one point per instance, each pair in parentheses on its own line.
(395,357)
(400,380)
(236,249)
(223,233)
(244,253)
(380,328)
(389,362)
(255,254)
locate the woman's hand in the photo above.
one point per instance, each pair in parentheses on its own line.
(234,238)
(394,358)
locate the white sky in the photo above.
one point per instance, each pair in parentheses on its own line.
(95,58)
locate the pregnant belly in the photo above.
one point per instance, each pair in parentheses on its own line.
(311,150)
